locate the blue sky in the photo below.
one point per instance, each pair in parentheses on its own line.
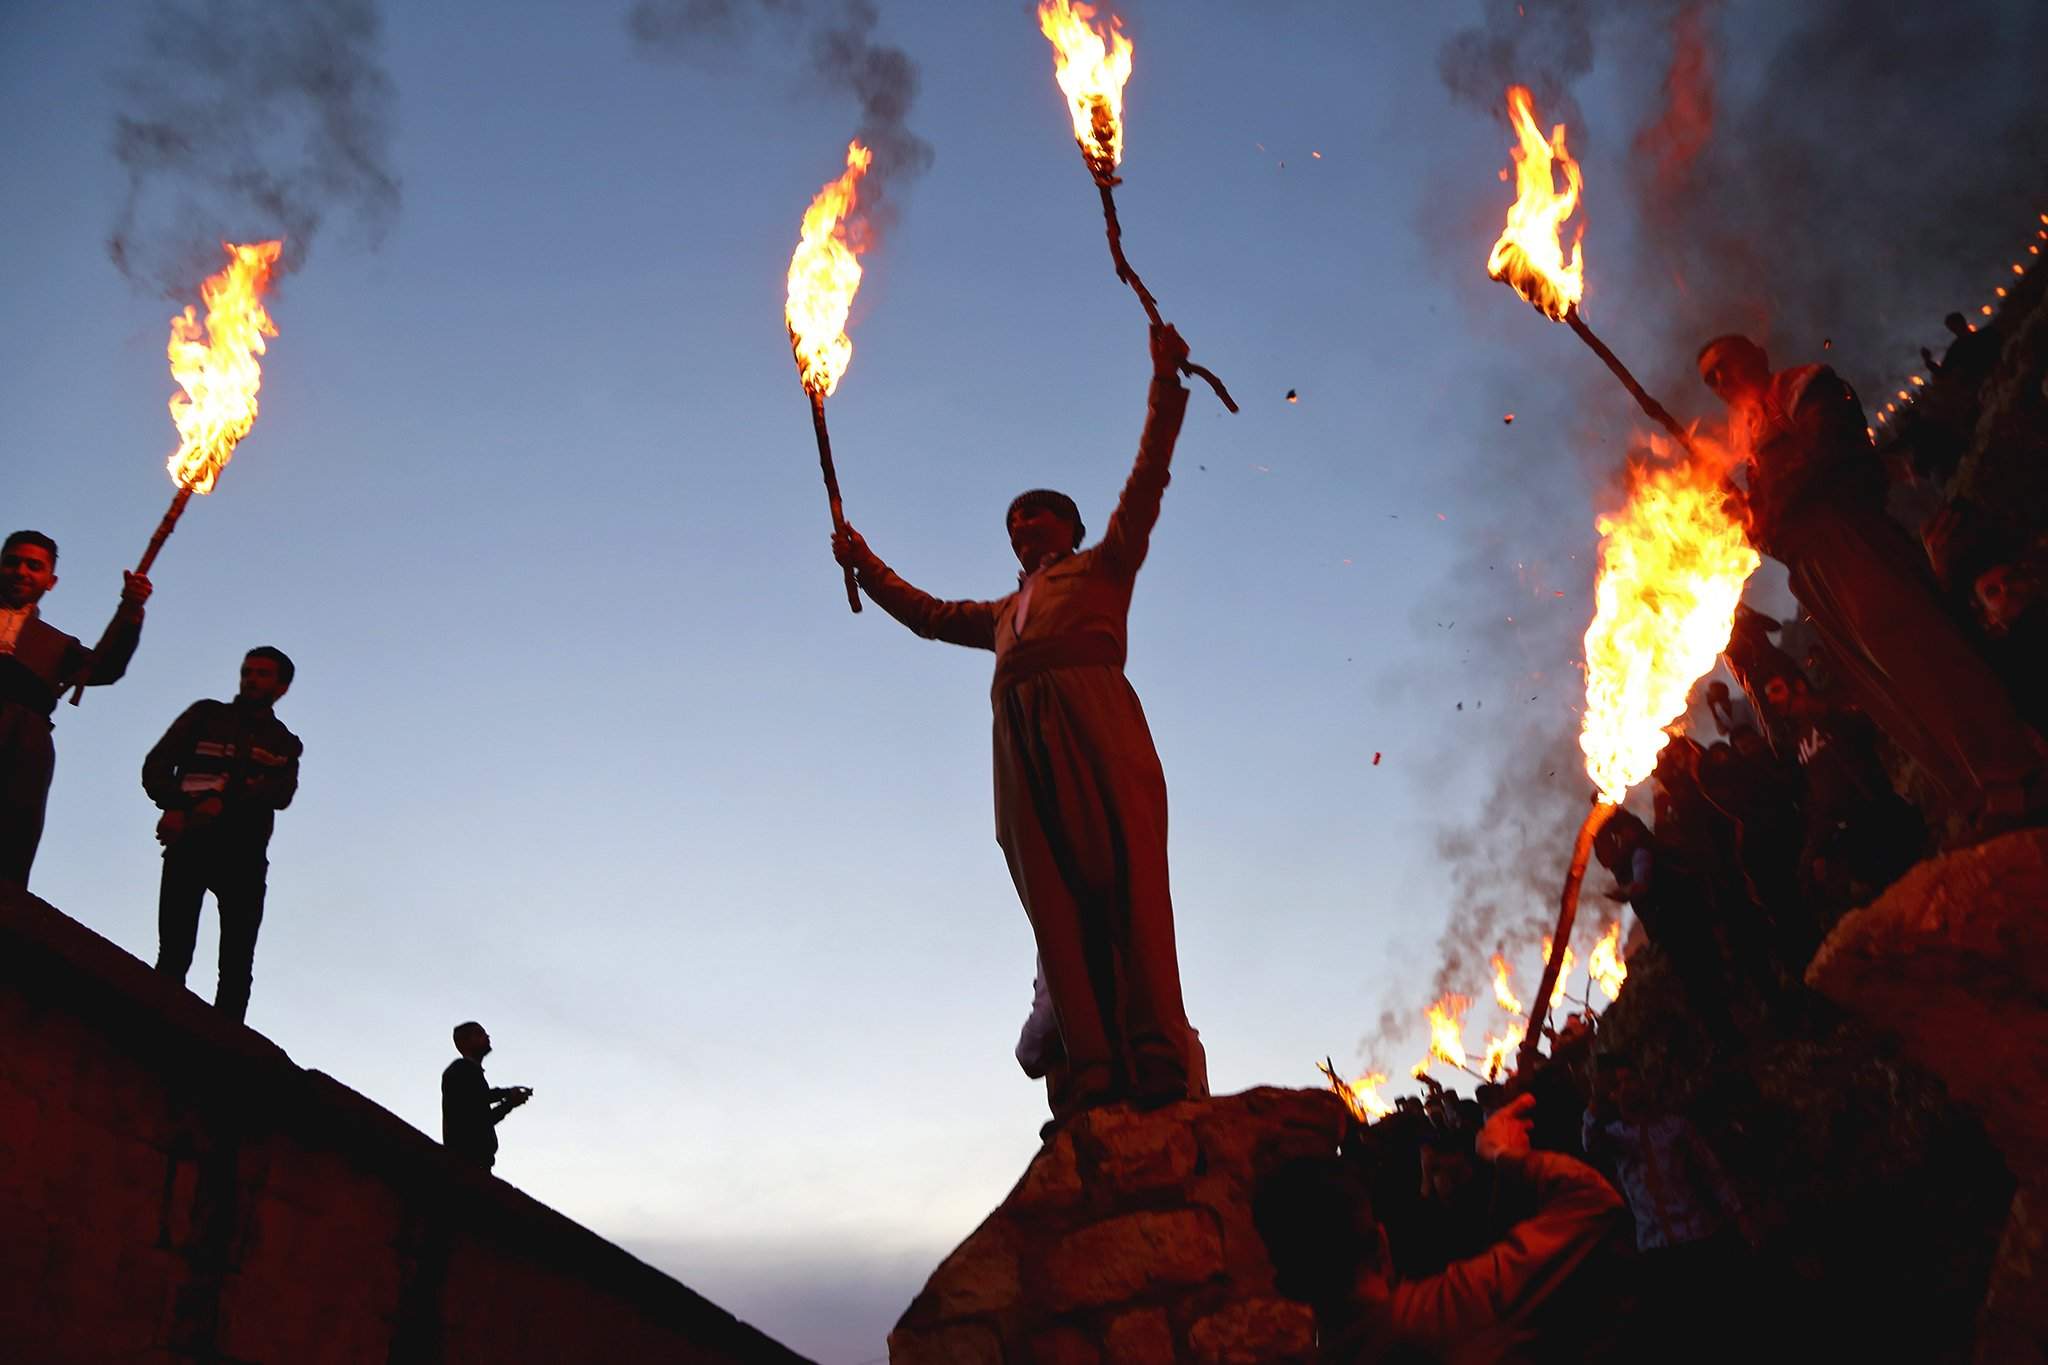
(595,752)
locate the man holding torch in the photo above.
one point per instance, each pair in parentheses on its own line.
(1080,798)
(37,662)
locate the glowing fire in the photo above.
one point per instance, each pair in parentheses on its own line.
(1363,1097)
(1502,992)
(1499,1050)
(1606,966)
(1447,1029)
(824,275)
(1529,256)
(1091,65)
(1672,566)
(216,366)
(1564,972)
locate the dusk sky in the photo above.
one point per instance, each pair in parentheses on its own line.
(595,752)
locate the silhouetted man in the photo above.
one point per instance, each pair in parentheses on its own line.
(37,662)
(472,1108)
(220,774)
(1079,793)
(1816,501)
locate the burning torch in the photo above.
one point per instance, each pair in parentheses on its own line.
(824,275)
(218,374)
(1672,563)
(1091,66)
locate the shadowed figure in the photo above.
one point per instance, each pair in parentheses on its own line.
(471,1107)
(37,662)
(1816,502)
(1080,798)
(220,774)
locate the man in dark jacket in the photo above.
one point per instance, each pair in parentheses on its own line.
(37,662)
(221,773)
(471,1107)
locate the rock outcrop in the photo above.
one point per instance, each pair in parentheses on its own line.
(1129,1239)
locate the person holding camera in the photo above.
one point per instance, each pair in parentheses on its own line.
(471,1107)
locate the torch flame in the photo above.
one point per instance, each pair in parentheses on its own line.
(1500,1049)
(1672,566)
(1364,1099)
(1091,65)
(1606,966)
(1447,1028)
(216,366)
(1564,972)
(1502,992)
(824,275)
(1529,256)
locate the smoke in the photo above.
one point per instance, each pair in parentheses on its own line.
(1809,174)
(838,37)
(249,121)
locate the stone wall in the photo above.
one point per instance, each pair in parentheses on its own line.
(174,1189)
(1129,1239)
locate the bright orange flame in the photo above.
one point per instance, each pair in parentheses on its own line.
(1529,255)
(1364,1099)
(1672,566)
(1502,992)
(1447,1029)
(1606,966)
(1564,972)
(1500,1049)
(216,366)
(1091,65)
(824,275)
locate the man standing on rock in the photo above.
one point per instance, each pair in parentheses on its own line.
(37,662)
(220,774)
(471,1107)
(1816,504)
(1080,796)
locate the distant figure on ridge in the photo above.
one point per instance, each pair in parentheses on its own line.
(1816,504)
(471,1107)
(37,662)
(1080,798)
(221,773)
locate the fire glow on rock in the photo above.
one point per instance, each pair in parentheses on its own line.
(824,275)
(216,365)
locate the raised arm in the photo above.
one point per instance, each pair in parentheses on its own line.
(972,624)
(1137,511)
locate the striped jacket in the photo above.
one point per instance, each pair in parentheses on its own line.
(236,751)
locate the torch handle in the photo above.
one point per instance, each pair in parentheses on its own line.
(832,488)
(1105,184)
(1567,912)
(157,538)
(1649,405)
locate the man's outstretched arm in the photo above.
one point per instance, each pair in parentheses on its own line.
(1137,510)
(972,624)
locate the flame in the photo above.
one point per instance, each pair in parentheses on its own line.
(1091,65)
(216,366)
(1363,1097)
(1529,257)
(1606,966)
(1447,1029)
(824,275)
(1672,566)
(1499,1050)
(1564,972)
(1502,992)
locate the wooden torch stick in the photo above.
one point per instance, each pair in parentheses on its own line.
(831,486)
(156,543)
(1567,911)
(1129,276)
(1649,405)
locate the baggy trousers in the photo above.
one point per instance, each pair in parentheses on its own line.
(236,877)
(27,762)
(1081,818)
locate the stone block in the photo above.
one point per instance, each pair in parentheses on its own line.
(1066,1346)
(1255,1332)
(1052,1179)
(1124,1257)
(979,1277)
(1143,1336)
(1131,1152)
(967,1344)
